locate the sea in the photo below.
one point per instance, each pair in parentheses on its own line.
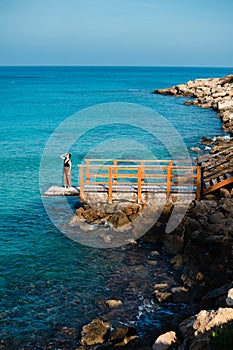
(47,281)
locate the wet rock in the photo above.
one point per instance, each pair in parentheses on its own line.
(69,332)
(205,321)
(180,295)
(196,149)
(225,193)
(226,205)
(90,215)
(229,299)
(167,208)
(161,286)
(112,303)
(119,219)
(177,260)
(207,141)
(217,293)
(109,208)
(84,226)
(164,341)
(123,335)
(162,296)
(119,333)
(154,253)
(216,217)
(94,333)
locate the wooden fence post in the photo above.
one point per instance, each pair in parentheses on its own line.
(139,184)
(199,182)
(115,171)
(143,172)
(169,179)
(110,185)
(81,182)
(88,171)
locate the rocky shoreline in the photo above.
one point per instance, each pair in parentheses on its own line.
(200,248)
(215,93)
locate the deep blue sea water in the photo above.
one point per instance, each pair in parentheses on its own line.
(47,280)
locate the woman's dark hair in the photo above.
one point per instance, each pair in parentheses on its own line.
(69,155)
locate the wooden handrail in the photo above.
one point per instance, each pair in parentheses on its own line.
(81,182)
(140,184)
(110,184)
(109,174)
(169,179)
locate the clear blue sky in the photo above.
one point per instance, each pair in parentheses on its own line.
(116,32)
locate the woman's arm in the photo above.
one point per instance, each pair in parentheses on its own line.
(63,156)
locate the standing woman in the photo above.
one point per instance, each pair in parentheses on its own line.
(67,169)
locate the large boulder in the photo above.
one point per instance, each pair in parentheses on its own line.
(164,341)
(94,333)
(225,104)
(203,322)
(229,299)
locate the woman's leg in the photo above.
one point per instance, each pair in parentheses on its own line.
(65,177)
(69,180)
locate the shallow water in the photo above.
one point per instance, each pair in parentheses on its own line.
(48,281)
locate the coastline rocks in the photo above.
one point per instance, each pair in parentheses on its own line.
(215,93)
(94,333)
(112,303)
(229,299)
(116,215)
(164,341)
(195,329)
(102,335)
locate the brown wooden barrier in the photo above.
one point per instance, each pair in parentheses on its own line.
(166,173)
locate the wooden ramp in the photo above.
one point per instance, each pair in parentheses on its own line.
(217,171)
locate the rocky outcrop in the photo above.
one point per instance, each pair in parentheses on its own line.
(196,329)
(216,93)
(99,332)
(116,215)
(164,341)
(94,333)
(229,299)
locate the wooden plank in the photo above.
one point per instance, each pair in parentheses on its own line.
(198,183)
(218,185)
(104,175)
(156,176)
(169,179)
(139,184)
(110,185)
(127,176)
(216,173)
(87,171)
(115,171)
(81,182)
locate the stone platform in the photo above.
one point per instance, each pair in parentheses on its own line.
(61,191)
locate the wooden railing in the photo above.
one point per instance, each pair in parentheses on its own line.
(170,175)
(217,171)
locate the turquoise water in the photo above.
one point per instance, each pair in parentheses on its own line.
(45,278)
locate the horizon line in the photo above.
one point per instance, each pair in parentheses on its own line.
(110,65)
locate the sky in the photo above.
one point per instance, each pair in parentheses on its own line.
(117,32)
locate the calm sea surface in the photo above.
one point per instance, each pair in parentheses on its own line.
(46,280)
